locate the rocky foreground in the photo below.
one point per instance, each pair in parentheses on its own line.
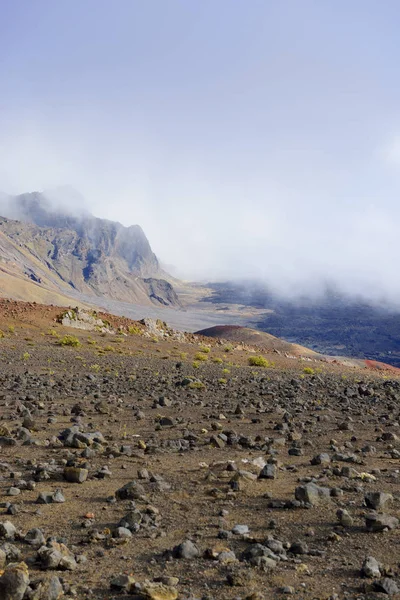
(137,465)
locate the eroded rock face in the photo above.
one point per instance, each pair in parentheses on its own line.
(94,256)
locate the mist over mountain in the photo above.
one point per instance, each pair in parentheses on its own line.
(73,249)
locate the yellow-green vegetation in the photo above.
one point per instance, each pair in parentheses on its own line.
(133,330)
(217,360)
(91,341)
(222,380)
(228,348)
(183,355)
(308,371)
(200,356)
(11,328)
(195,364)
(196,385)
(205,349)
(95,368)
(26,356)
(69,340)
(1,333)
(259,361)
(226,371)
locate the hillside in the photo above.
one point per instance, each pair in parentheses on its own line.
(143,463)
(333,324)
(66,254)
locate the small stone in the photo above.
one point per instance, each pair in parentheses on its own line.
(269,472)
(130,491)
(159,591)
(370,568)
(123,582)
(380,522)
(186,550)
(75,474)
(35,537)
(240,529)
(7,530)
(344,518)
(386,585)
(377,500)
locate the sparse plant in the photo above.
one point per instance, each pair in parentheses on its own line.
(69,340)
(11,328)
(196,385)
(222,380)
(26,356)
(259,361)
(205,349)
(134,330)
(217,360)
(95,368)
(195,364)
(201,357)
(228,348)
(308,370)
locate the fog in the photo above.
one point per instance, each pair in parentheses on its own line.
(248,141)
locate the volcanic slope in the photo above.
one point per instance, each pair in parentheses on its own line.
(147,463)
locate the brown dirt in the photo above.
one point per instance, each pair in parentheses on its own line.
(131,373)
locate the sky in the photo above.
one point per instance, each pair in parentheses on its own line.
(248,138)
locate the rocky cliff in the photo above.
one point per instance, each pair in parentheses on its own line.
(82,253)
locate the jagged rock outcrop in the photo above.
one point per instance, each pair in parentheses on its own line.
(83,253)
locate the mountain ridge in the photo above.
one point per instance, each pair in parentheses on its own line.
(83,254)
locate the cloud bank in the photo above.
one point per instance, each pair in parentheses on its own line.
(258,142)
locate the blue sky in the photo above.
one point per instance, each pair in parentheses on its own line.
(247,137)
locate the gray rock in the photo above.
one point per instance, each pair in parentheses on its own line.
(387,586)
(311,493)
(269,472)
(186,549)
(7,530)
(57,556)
(130,491)
(14,582)
(370,568)
(321,459)
(123,583)
(240,529)
(344,518)
(377,500)
(123,532)
(380,522)
(35,537)
(51,589)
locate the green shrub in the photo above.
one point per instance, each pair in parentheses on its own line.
(133,330)
(308,371)
(259,361)
(69,340)
(205,349)
(200,356)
